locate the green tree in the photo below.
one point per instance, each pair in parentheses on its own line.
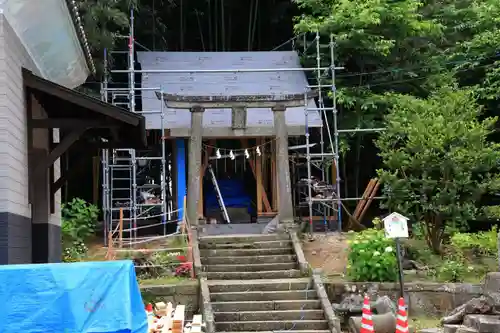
(438,161)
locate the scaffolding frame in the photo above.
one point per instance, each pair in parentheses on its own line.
(125,166)
(318,160)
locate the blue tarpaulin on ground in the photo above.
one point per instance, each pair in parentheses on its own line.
(93,297)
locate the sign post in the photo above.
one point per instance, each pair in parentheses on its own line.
(396,227)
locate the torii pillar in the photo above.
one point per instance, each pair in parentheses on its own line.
(197,104)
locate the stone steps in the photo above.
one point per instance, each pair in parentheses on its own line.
(246,252)
(226,306)
(273,325)
(290,273)
(269,315)
(273,244)
(264,295)
(255,286)
(257,259)
(218,286)
(252,267)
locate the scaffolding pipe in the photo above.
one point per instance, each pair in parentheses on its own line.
(356,130)
(240,70)
(163,171)
(336,134)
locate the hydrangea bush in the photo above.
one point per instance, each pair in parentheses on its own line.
(372,256)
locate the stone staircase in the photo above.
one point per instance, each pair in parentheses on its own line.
(255,284)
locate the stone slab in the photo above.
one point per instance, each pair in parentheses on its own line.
(263,295)
(266,305)
(483,323)
(242,238)
(259,285)
(268,244)
(272,325)
(464,329)
(248,259)
(251,267)
(245,252)
(291,273)
(448,328)
(269,315)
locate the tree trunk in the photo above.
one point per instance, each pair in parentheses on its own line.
(498,249)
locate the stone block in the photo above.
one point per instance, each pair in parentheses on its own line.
(431,330)
(483,323)
(448,328)
(464,329)
(492,283)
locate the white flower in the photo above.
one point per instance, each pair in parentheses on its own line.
(388,249)
(470,268)
(361,251)
(376,253)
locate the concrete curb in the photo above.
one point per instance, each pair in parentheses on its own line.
(333,321)
(297,247)
(197,266)
(206,306)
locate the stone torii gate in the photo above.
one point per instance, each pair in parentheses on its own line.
(238,105)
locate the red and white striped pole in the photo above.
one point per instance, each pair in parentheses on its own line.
(366,317)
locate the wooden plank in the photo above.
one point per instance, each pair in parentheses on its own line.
(178,321)
(368,203)
(259,184)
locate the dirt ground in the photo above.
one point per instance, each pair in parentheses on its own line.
(328,252)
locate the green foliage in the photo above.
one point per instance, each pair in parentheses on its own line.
(78,223)
(452,271)
(371,256)
(438,162)
(483,243)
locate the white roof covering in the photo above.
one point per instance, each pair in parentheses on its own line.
(47,31)
(223,84)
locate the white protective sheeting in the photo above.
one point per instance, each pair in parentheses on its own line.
(223,84)
(47,32)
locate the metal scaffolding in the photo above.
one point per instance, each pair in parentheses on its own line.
(132,163)
(130,192)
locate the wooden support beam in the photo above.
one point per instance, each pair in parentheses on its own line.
(71,123)
(203,169)
(260,186)
(57,152)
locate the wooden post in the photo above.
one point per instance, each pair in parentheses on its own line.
(274,177)
(120,236)
(258,178)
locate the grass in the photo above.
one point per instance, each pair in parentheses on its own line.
(424,322)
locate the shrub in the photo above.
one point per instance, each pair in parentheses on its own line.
(78,223)
(483,243)
(452,271)
(371,256)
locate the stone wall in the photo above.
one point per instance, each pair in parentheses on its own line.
(425,299)
(185,293)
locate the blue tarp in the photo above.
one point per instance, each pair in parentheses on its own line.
(93,297)
(233,193)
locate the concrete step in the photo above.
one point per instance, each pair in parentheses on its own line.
(227,239)
(246,252)
(266,305)
(259,285)
(248,259)
(251,267)
(291,273)
(253,245)
(269,315)
(263,295)
(271,325)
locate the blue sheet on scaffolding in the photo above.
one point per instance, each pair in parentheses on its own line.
(233,193)
(93,297)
